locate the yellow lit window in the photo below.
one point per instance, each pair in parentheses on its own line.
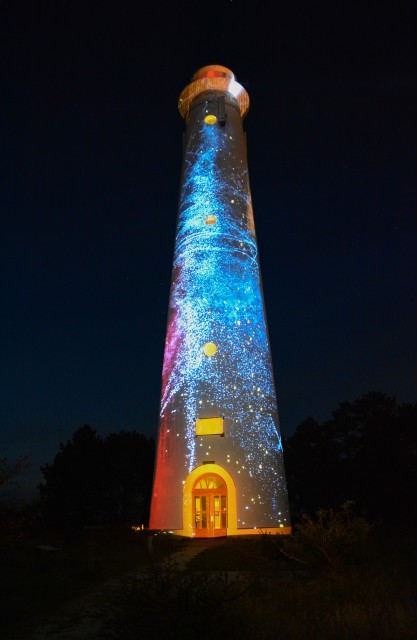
(209,427)
(210,119)
(209,482)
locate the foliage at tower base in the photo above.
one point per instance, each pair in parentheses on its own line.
(16,515)
(99,481)
(366,453)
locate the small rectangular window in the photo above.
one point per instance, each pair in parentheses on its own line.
(209,427)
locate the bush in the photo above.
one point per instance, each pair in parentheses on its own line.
(331,541)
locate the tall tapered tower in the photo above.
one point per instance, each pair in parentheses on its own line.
(219,463)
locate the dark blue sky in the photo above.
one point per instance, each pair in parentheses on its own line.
(90,156)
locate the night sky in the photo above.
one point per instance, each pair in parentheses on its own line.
(90,156)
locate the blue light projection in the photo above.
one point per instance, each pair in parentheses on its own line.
(216,297)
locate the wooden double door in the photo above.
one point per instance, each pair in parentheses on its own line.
(210,507)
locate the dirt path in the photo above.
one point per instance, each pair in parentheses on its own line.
(81,619)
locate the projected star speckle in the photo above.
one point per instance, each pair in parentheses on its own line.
(217,356)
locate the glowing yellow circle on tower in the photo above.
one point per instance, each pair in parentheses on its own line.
(210,119)
(210,219)
(209,349)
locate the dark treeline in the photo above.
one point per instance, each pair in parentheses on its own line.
(94,480)
(338,576)
(366,453)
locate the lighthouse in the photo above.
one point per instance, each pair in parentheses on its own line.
(219,467)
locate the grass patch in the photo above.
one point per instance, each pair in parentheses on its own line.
(168,602)
(232,554)
(245,587)
(42,575)
(249,589)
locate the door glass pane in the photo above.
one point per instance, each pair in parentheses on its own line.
(223,512)
(216,505)
(197,516)
(210,506)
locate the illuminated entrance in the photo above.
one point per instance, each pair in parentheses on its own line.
(210,507)
(209,499)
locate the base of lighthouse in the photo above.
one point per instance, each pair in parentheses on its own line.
(210,508)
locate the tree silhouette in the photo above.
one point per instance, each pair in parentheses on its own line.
(129,461)
(94,480)
(15,515)
(11,468)
(367,453)
(311,459)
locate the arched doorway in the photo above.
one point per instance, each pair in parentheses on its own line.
(188,515)
(209,504)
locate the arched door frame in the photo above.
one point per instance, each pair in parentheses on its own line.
(187,513)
